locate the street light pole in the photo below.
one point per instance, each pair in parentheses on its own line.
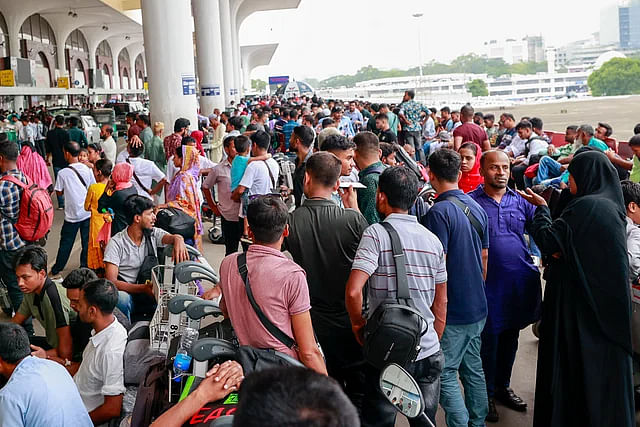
(419,80)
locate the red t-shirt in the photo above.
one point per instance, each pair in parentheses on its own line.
(471,132)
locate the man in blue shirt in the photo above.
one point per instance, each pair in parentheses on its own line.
(467,250)
(354,115)
(287,129)
(513,281)
(343,123)
(39,392)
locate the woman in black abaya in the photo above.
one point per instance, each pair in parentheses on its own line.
(584,375)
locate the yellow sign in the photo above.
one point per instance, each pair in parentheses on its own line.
(146,85)
(6,78)
(63,82)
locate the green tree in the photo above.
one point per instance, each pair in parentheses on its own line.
(258,84)
(477,87)
(618,76)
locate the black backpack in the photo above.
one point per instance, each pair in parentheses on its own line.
(393,332)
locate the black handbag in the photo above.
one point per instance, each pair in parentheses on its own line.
(392,334)
(255,359)
(145,305)
(176,221)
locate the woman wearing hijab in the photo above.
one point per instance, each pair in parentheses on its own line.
(584,375)
(34,166)
(198,135)
(119,188)
(470,179)
(183,190)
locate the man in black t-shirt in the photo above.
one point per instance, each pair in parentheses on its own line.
(323,239)
(54,144)
(302,143)
(384,132)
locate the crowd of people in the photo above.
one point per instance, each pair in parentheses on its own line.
(509,206)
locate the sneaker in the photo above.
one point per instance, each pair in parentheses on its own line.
(60,208)
(56,277)
(492,416)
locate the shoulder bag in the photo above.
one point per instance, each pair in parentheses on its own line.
(256,359)
(392,334)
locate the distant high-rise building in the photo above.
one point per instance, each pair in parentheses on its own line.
(512,51)
(620,25)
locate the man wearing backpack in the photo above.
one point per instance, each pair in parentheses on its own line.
(73,181)
(10,240)
(425,277)
(462,227)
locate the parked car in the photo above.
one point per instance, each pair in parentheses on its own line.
(122,108)
(106,116)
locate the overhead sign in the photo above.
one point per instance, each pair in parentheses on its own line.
(188,84)
(278,80)
(213,90)
(6,78)
(63,82)
(233,92)
(145,85)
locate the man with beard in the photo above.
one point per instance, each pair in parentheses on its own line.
(512,285)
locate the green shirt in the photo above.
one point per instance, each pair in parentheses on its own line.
(146,135)
(369,177)
(393,122)
(154,151)
(78,136)
(596,143)
(51,308)
(635,170)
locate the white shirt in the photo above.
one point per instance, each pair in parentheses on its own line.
(101,372)
(27,133)
(257,179)
(172,171)
(146,171)
(109,148)
(122,156)
(75,192)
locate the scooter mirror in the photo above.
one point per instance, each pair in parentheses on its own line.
(399,387)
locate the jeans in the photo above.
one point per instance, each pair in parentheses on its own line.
(548,169)
(67,238)
(498,354)
(137,306)
(232,232)
(60,198)
(8,275)
(414,138)
(344,359)
(461,347)
(378,412)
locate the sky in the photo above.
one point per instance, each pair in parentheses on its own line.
(322,38)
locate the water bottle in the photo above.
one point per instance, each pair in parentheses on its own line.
(182,360)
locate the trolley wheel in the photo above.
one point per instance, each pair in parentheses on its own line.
(215,235)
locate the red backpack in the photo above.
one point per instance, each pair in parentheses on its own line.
(36,210)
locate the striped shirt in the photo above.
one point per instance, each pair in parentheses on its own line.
(425,264)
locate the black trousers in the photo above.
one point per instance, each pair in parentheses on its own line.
(344,360)
(498,354)
(232,232)
(517,172)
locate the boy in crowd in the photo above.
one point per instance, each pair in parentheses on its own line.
(45,301)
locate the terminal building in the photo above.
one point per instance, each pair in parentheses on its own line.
(59,52)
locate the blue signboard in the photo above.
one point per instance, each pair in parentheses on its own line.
(188,84)
(210,90)
(278,80)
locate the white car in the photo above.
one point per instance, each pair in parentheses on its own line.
(85,122)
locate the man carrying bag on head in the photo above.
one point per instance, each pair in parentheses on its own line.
(403,267)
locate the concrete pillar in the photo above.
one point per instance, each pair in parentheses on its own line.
(62,63)
(92,68)
(246,79)
(227,50)
(14,39)
(115,78)
(163,24)
(206,16)
(235,49)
